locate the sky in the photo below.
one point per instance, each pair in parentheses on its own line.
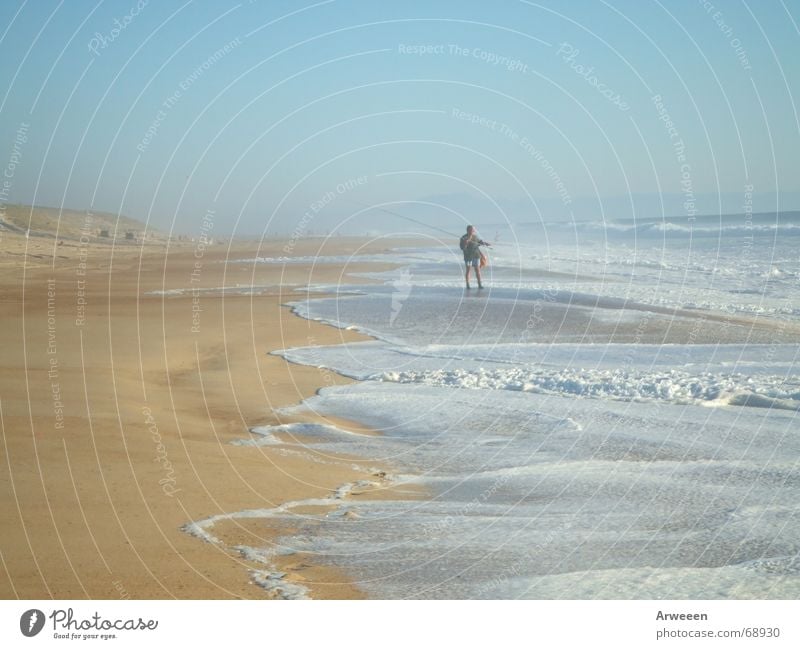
(282,118)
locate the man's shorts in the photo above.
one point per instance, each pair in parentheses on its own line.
(472,262)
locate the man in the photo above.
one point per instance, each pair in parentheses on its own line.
(472,255)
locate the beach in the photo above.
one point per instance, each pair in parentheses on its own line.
(612,417)
(392,307)
(337,418)
(119,406)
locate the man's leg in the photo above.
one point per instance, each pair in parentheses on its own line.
(478,275)
(466,276)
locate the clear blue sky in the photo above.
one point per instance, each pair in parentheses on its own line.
(158,120)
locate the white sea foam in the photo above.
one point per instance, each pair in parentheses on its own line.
(603,488)
(238,289)
(702,374)
(569,470)
(672,386)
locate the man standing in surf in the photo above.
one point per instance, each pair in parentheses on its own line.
(470,245)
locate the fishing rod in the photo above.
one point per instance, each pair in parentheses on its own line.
(484,259)
(407,218)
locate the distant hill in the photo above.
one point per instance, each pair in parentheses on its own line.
(71,224)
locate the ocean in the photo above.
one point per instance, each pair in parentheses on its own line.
(614,416)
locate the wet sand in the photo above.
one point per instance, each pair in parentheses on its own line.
(118,408)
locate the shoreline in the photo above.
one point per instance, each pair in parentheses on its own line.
(139,381)
(135,442)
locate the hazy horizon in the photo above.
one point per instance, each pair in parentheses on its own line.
(279,117)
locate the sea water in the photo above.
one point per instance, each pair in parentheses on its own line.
(613,416)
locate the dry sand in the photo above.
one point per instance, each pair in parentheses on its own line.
(117,428)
